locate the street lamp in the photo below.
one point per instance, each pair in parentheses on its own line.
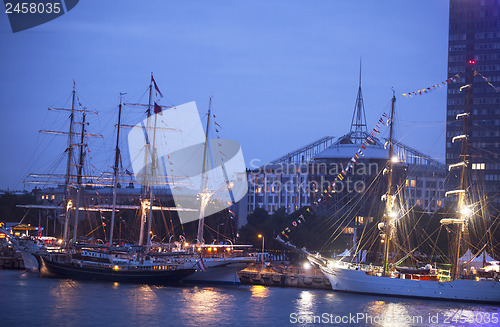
(263,238)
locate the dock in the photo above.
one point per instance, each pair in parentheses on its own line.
(284,276)
(10,258)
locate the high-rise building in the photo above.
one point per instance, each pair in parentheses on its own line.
(474,54)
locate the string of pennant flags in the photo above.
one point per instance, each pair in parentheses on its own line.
(476,73)
(452,79)
(384,120)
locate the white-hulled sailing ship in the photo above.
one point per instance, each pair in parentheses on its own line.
(425,282)
(217,263)
(208,192)
(202,173)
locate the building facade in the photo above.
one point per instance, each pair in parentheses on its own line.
(294,185)
(474,51)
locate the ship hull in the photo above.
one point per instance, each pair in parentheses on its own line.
(30,261)
(222,271)
(65,270)
(357,281)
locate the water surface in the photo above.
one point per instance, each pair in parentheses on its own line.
(28,300)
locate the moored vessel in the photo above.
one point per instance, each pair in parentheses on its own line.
(418,282)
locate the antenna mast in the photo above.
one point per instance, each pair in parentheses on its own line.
(358,123)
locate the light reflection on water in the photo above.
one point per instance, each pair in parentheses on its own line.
(259,291)
(29,300)
(204,305)
(143,300)
(305,302)
(395,314)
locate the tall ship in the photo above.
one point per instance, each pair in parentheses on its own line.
(424,281)
(207,174)
(168,150)
(94,261)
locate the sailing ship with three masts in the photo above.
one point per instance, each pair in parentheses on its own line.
(157,262)
(419,282)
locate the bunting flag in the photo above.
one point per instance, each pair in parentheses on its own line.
(452,79)
(476,73)
(217,124)
(156,86)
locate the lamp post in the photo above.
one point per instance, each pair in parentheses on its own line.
(263,238)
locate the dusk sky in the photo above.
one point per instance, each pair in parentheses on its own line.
(282,73)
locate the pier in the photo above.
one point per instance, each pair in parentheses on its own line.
(10,258)
(284,276)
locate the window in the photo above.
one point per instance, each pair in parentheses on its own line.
(478,166)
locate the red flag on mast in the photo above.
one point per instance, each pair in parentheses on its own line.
(157,108)
(156,86)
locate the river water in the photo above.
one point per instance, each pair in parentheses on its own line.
(28,300)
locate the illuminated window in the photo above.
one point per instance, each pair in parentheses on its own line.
(407,183)
(439,203)
(478,166)
(349,230)
(413,183)
(52,197)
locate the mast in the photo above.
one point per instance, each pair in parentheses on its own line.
(115,168)
(153,177)
(68,168)
(79,179)
(461,196)
(144,201)
(462,209)
(389,196)
(204,196)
